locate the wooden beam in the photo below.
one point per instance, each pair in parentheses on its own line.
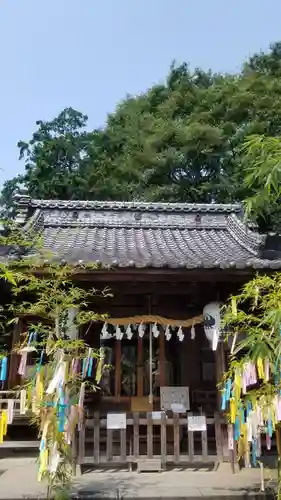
(140,368)
(13,378)
(167,275)
(220,369)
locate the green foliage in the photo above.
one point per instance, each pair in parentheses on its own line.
(256,321)
(179,141)
(258,318)
(262,158)
(44,296)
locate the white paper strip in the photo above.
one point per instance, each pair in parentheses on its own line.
(10,411)
(192,332)
(119,333)
(168,334)
(22,366)
(141,330)
(180,334)
(215,339)
(155,331)
(58,378)
(81,405)
(249,429)
(129,332)
(22,402)
(54,459)
(233,343)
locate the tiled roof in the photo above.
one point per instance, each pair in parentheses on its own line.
(146,235)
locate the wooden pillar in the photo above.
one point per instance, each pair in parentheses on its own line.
(118,368)
(220,369)
(162,380)
(13,378)
(140,368)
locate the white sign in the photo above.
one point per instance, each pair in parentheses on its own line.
(197,423)
(174,396)
(178,408)
(116,421)
(157,415)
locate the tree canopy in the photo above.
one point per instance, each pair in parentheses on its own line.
(179,141)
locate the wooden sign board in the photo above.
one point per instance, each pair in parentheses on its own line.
(116,421)
(174,397)
(139,404)
(196,423)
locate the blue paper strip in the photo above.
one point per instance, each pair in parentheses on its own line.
(228,389)
(237,429)
(269,427)
(4,366)
(223,400)
(90,367)
(254,452)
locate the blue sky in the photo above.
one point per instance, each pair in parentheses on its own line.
(89,54)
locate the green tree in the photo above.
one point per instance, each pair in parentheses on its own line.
(262,160)
(179,141)
(56,159)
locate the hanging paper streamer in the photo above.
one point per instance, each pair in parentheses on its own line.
(129,332)
(22,365)
(104,332)
(180,334)
(192,332)
(233,343)
(11,404)
(23,402)
(260,368)
(118,332)
(58,378)
(4,367)
(81,405)
(228,389)
(61,411)
(168,334)
(75,367)
(223,400)
(100,365)
(90,367)
(5,422)
(226,394)
(141,330)
(54,459)
(250,374)
(266,370)
(215,340)
(155,331)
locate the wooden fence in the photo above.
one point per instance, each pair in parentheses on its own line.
(167,440)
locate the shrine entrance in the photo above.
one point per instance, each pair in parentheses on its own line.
(146,415)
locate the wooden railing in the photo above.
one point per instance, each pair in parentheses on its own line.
(5,396)
(145,438)
(18,418)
